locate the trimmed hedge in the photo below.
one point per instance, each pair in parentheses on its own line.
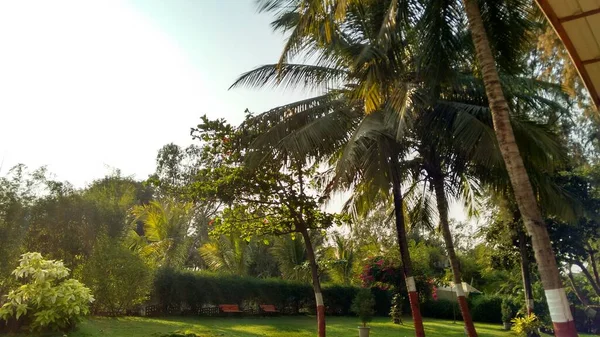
(486,308)
(180,292)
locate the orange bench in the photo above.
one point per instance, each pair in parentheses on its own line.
(229,308)
(268,308)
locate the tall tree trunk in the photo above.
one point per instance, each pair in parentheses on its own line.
(525,273)
(310,254)
(442,205)
(589,277)
(560,312)
(413,295)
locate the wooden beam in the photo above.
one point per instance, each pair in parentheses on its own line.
(579,16)
(590,61)
(564,37)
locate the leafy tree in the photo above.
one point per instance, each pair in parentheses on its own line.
(271,199)
(119,279)
(111,199)
(62,227)
(18,192)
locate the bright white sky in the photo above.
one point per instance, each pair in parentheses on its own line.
(91,86)
(87,86)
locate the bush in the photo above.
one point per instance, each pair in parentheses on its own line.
(364,306)
(45,299)
(119,279)
(442,309)
(527,326)
(485,308)
(181,292)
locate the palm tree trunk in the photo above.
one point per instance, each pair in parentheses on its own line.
(413,295)
(525,273)
(310,254)
(442,205)
(560,312)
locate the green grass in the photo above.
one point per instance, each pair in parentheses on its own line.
(272,327)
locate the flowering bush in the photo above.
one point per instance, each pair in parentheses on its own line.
(379,273)
(46,299)
(385,275)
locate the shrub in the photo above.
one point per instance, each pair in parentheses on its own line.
(485,308)
(46,299)
(526,326)
(119,279)
(364,306)
(443,309)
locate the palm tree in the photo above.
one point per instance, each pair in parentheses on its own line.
(163,236)
(343,256)
(562,318)
(227,254)
(291,256)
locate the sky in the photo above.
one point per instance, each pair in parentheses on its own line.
(87,87)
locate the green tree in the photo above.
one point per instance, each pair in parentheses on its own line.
(119,279)
(272,198)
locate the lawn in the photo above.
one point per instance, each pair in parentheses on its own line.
(272,327)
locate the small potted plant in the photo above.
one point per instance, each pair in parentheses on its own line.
(507,313)
(396,310)
(364,307)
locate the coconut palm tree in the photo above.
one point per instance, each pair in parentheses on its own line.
(163,235)
(523,191)
(227,254)
(343,257)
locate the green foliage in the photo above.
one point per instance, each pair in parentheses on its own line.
(163,240)
(118,278)
(364,305)
(440,309)
(506,311)
(46,299)
(487,308)
(527,326)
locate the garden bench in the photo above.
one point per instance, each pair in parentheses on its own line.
(230,308)
(268,309)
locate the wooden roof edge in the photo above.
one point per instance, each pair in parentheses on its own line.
(575,58)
